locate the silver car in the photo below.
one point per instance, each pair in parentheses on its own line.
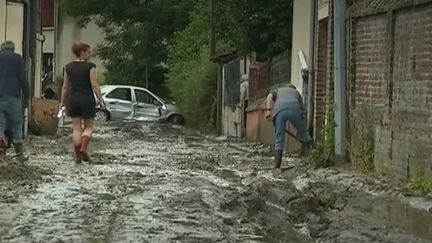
(124,102)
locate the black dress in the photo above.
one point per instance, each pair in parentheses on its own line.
(81,101)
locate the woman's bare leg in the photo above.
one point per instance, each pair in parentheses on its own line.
(76,138)
(86,137)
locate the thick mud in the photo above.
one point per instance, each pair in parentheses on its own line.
(158,183)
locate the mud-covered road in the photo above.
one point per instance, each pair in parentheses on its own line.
(157,183)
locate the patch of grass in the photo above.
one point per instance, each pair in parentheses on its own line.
(323,155)
(420,183)
(362,142)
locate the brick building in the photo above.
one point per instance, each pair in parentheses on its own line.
(391,71)
(389,60)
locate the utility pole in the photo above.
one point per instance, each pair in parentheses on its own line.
(146,76)
(340,93)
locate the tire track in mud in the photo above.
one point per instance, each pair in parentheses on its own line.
(156,183)
(146,184)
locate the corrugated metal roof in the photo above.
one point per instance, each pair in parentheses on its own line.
(368,7)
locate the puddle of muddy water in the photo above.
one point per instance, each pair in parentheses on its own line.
(415,221)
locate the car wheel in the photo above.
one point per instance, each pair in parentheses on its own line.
(102,115)
(176,120)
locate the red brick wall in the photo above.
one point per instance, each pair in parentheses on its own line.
(369,52)
(321,76)
(330,50)
(391,68)
(324,68)
(412,90)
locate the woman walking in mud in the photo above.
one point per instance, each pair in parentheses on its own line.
(80,82)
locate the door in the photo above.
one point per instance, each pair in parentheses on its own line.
(119,104)
(146,106)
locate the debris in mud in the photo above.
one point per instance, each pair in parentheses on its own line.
(106,197)
(158,183)
(18,172)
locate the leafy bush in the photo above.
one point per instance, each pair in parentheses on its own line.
(192,77)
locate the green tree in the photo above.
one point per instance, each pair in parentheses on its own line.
(264,27)
(137,32)
(247,26)
(192,77)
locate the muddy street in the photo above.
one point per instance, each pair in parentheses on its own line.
(157,183)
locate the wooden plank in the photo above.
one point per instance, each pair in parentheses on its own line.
(45,113)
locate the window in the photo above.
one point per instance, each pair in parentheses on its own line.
(120,94)
(144,97)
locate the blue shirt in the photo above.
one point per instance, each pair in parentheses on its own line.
(12,76)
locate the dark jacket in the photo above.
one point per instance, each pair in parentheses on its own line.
(12,76)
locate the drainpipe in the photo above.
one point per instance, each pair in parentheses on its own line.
(28,60)
(55,55)
(311,73)
(340,79)
(27,38)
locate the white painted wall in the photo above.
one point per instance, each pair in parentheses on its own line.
(323,9)
(300,39)
(48,45)
(231,121)
(12,23)
(68,33)
(2,20)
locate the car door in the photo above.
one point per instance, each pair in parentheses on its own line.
(119,103)
(146,107)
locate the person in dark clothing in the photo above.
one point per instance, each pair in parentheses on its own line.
(79,86)
(13,88)
(286,105)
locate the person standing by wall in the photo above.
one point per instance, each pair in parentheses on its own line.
(286,105)
(14,92)
(79,86)
(244,99)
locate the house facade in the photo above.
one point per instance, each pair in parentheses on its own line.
(388,72)
(20,23)
(388,81)
(61,32)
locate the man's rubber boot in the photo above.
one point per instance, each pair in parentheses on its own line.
(77,149)
(278,158)
(3,148)
(19,150)
(9,139)
(85,140)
